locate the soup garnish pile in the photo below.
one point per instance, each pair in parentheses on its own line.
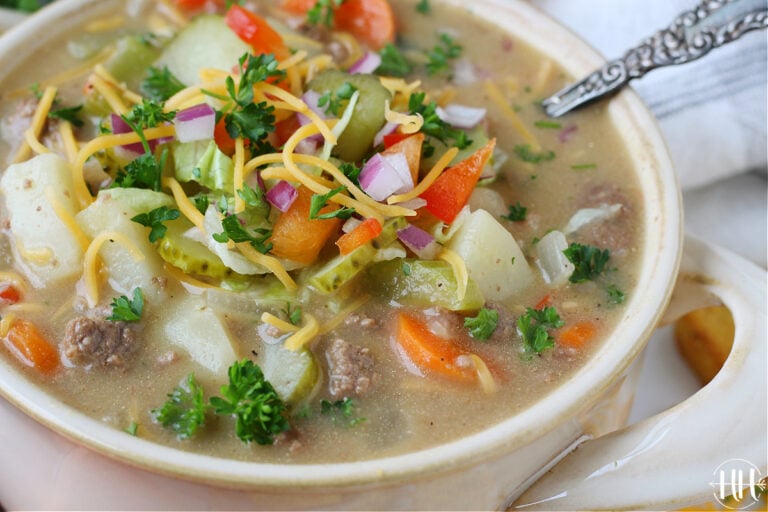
(306,231)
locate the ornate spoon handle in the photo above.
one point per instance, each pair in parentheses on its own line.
(693,34)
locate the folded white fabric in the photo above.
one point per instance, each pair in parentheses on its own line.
(712,111)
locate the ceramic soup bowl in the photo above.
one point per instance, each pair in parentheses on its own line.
(529,460)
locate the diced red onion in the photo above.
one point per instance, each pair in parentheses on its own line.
(311,98)
(195,123)
(309,145)
(350,224)
(384,175)
(461,116)
(387,129)
(119,127)
(419,241)
(282,195)
(368,63)
(567,133)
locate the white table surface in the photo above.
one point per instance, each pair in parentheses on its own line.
(41,470)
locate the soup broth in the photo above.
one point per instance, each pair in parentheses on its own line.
(398,350)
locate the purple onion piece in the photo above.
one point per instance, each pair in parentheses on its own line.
(368,63)
(282,195)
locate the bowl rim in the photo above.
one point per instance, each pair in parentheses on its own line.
(661,261)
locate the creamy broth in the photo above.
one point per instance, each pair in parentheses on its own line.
(405,407)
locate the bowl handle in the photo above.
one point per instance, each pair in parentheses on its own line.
(674,459)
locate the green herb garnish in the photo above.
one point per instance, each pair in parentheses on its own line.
(534,328)
(483,325)
(393,63)
(517,213)
(433,125)
(527,154)
(549,125)
(322,12)
(293,314)
(318,201)
(154,219)
(582,167)
(69,114)
(333,102)
(588,261)
(440,54)
(132,429)
(236,232)
(341,409)
(615,295)
(160,84)
(259,412)
(423,7)
(184,411)
(127,310)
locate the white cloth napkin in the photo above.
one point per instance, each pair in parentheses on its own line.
(712,111)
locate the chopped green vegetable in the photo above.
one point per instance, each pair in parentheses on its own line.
(334,101)
(517,213)
(534,328)
(351,171)
(527,154)
(438,57)
(160,84)
(259,412)
(127,310)
(582,167)
(615,295)
(588,261)
(550,125)
(423,7)
(132,429)
(154,219)
(234,231)
(341,410)
(201,202)
(255,199)
(406,268)
(433,125)
(144,171)
(393,62)
(69,114)
(184,411)
(322,12)
(24,5)
(293,314)
(320,200)
(147,114)
(483,325)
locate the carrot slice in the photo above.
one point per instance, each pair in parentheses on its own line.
(411,148)
(9,294)
(577,335)
(30,347)
(451,190)
(296,237)
(363,232)
(298,7)
(428,351)
(370,21)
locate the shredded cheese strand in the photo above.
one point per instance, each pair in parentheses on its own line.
(303,336)
(26,307)
(69,141)
(343,314)
(5,324)
(409,123)
(281,173)
(66,218)
(82,194)
(90,261)
(459,270)
(105,24)
(298,105)
(496,95)
(128,94)
(34,144)
(293,60)
(185,96)
(270,262)
(107,91)
(185,204)
(40,255)
(483,374)
(269,318)
(239,161)
(38,122)
(185,279)
(428,180)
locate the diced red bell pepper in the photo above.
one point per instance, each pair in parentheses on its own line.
(254,30)
(363,233)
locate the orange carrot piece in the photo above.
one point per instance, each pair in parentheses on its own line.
(298,7)
(9,294)
(411,148)
(296,237)
(26,342)
(428,351)
(256,31)
(363,232)
(577,335)
(451,190)
(544,302)
(370,21)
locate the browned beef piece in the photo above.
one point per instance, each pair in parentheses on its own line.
(98,342)
(614,233)
(351,369)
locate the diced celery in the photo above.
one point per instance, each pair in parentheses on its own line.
(202,161)
(422,283)
(293,374)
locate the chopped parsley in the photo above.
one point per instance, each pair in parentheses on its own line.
(318,201)
(437,58)
(132,429)
(147,114)
(69,114)
(423,7)
(201,202)
(393,63)
(517,213)
(184,411)
(154,219)
(322,12)
(293,314)
(333,101)
(259,412)
(534,328)
(24,5)
(351,171)
(549,125)
(255,198)
(127,310)
(615,295)
(527,154)
(236,232)
(144,171)
(406,268)
(341,410)
(433,125)
(160,84)
(589,261)
(482,326)
(583,167)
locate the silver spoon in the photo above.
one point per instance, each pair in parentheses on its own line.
(692,35)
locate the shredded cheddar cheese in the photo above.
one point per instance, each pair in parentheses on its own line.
(269,262)
(38,122)
(428,180)
(305,335)
(269,318)
(185,279)
(5,324)
(34,144)
(107,91)
(496,95)
(69,141)
(238,174)
(105,24)
(409,123)
(90,261)
(100,71)
(184,203)
(459,270)
(483,374)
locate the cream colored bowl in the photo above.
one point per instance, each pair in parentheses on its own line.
(491,469)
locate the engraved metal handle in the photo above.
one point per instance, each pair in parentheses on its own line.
(693,34)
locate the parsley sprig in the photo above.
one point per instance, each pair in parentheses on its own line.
(333,101)
(322,12)
(433,125)
(184,411)
(517,213)
(154,219)
(69,114)
(341,411)
(534,328)
(318,201)
(526,153)
(482,326)
(393,62)
(160,84)
(589,261)
(235,231)
(439,56)
(127,310)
